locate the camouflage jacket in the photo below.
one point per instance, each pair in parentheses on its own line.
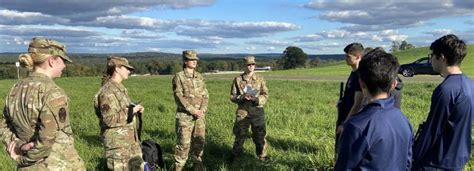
(36,110)
(111,104)
(257,83)
(190,92)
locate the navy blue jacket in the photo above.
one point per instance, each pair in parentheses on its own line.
(444,140)
(379,137)
(345,104)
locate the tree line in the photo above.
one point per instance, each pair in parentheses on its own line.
(154,63)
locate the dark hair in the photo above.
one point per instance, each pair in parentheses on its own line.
(451,47)
(110,69)
(377,70)
(353,48)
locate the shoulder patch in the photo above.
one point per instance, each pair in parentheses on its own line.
(58,101)
(62,115)
(104,108)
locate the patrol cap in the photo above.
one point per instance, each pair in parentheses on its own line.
(249,60)
(41,45)
(119,61)
(190,55)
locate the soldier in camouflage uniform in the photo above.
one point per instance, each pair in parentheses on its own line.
(35,126)
(118,118)
(250,92)
(191,98)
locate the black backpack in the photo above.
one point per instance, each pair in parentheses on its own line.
(152,154)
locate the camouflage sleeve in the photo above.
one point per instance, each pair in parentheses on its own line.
(235,96)
(179,96)
(52,114)
(113,114)
(263,97)
(205,96)
(6,134)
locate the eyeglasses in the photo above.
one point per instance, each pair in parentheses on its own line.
(250,64)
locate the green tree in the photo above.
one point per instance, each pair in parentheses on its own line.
(293,57)
(403,45)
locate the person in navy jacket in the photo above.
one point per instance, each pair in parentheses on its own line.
(379,137)
(443,141)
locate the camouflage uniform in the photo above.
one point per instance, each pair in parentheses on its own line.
(36,110)
(120,138)
(190,94)
(249,113)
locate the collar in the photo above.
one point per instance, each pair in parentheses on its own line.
(189,75)
(119,86)
(40,75)
(383,103)
(245,76)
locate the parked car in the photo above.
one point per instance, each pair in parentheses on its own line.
(420,66)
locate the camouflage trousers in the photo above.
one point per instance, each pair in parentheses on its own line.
(63,156)
(253,117)
(122,149)
(190,134)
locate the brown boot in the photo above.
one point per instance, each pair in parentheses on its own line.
(198,167)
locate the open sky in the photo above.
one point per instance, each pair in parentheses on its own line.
(231,26)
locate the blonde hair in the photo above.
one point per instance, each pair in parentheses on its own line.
(31,60)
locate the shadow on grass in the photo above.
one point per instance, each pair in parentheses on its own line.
(291,145)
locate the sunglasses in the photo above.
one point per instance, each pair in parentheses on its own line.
(250,64)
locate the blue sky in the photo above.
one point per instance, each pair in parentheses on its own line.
(231,26)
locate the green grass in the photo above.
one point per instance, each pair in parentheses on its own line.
(341,68)
(300,118)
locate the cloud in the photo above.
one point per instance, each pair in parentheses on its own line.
(470,22)
(268,43)
(386,14)
(308,38)
(227,29)
(438,32)
(10,17)
(131,22)
(467,4)
(88,10)
(28,31)
(140,34)
(251,48)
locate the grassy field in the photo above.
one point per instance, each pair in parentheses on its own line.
(341,69)
(300,118)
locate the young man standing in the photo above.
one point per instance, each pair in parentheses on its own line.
(352,98)
(379,136)
(444,140)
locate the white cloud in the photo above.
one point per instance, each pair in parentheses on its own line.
(131,22)
(226,29)
(251,48)
(27,31)
(269,43)
(381,15)
(154,49)
(88,10)
(308,38)
(439,32)
(11,17)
